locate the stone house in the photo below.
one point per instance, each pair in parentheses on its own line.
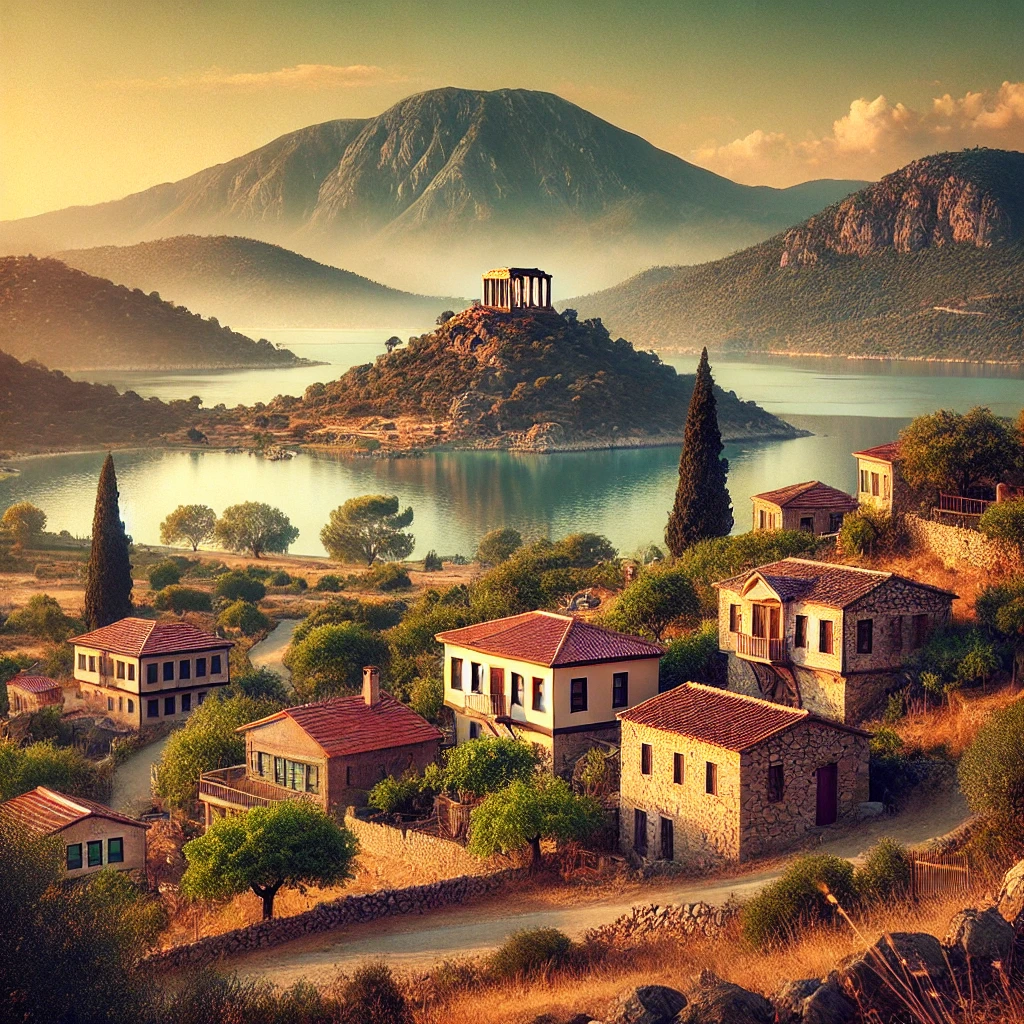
(332,752)
(830,638)
(94,836)
(146,671)
(812,507)
(26,694)
(709,775)
(880,482)
(554,680)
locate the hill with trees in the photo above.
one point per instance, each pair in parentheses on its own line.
(245,281)
(60,316)
(927,263)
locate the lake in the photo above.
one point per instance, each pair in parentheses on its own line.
(458,496)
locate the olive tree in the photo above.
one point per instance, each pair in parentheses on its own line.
(192,523)
(367,528)
(24,522)
(329,659)
(255,527)
(654,601)
(498,545)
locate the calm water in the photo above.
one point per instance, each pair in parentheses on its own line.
(459,496)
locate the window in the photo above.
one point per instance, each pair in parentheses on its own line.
(456,674)
(131,671)
(348,775)
(645,759)
(168,705)
(578,694)
(640,831)
(202,696)
(215,665)
(835,521)
(677,768)
(874,485)
(115,850)
(518,689)
(120,670)
(800,632)
(825,636)
(776,783)
(184,669)
(538,694)
(81,664)
(131,706)
(863,481)
(667,839)
(152,709)
(620,690)
(476,677)
(74,857)
(279,771)
(885,486)
(110,703)
(296,775)
(168,671)
(312,779)
(807,524)
(152,671)
(474,730)
(735,619)
(919,624)
(186,703)
(94,853)
(120,703)
(865,635)
(761,519)
(711,778)
(200,668)
(259,762)
(92,662)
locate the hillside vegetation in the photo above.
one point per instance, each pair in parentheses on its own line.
(928,263)
(64,317)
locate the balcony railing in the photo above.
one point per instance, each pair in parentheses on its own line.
(761,648)
(963,506)
(494,705)
(234,787)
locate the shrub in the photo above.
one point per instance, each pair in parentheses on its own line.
(387,576)
(796,899)
(43,618)
(43,764)
(240,586)
(432,562)
(372,997)
(279,579)
(426,697)
(375,615)
(329,584)
(992,768)
(396,796)
(956,657)
(164,574)
(182,599)
(329,659)
(690,658)
(525,953)
(885,874)
(1004,522)
(498,545)
(867,531)
(245,617)
(259,684)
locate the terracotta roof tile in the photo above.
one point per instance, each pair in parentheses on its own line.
(889,452)
(138,637)
(43,811)
(544,638)
(34,684)
(348,725)
(810,495)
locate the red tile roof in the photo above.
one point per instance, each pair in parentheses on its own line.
(810,495)
(825,583)
(348,725)
(43,811)
(889,452)
(139,637)
(544,638)
(34,684)
(729,720)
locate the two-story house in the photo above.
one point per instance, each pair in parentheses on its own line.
(146,671)
(812,507)
(830,638)
(554,680)
(880,483)
(332,751)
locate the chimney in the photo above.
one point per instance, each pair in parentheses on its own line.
(371,685)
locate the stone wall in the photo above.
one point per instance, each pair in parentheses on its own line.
(655,921)
(955,545)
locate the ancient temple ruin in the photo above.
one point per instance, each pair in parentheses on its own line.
(510,288)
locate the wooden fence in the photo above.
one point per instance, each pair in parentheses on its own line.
(939,874)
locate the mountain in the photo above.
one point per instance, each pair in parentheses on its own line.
(53,313)
(245,281)
(926,263)
(445,184)
(532,380)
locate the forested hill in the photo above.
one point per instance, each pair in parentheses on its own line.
(63,317)
(244,281)
(485,374)
(927,263)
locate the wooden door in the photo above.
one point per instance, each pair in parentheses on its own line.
(828,795)
(775,622)
(498,691)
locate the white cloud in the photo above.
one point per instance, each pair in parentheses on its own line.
(300,76)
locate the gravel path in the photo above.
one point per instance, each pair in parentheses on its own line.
(269,652)
(131,790)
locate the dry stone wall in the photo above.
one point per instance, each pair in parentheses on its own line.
(655,921)
(955,545)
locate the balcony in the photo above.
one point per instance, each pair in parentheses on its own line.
(491,705)
(233,788)
(771,650)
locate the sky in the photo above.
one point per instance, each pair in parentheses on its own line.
(101,98)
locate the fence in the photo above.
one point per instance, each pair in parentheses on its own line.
(762,648)
(962,506)
(939,874)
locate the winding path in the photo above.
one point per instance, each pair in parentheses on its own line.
(269,652)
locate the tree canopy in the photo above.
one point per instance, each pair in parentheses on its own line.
(43,764)
(108,588)
(328,661)
(192,523)
(1005,522)
(24,522)
(497,545)
(485,765)
(653,601)
(367,528)
(293,843)
(255,527)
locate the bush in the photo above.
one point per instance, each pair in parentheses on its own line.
(240,586)
(956,657)
(329,584)
(885,874)
(372,997)
(279,579)
(867,531)
(396,796)
(329,660)
(525,953)
(690,658)
(42,618)
(182,599)
(992,768)
(163,574)
(260,684)
(498,545)
(426,696)
(375,615)
(783,906)
(432,562)
(245,617)
(43,764)
(387,576)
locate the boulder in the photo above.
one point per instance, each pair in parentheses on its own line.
(648,1004)
(1011,895)
(827,1005)
(721,1002)
(980,934)
(790,996)
(870,809)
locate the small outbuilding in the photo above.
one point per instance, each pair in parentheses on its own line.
(812,507)
(26,694)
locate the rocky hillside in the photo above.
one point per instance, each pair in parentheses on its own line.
(469,178)
(927,263)
(244,281)
(531,380)
(64,317)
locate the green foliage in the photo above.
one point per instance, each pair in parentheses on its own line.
(329,660)
(182,599)
(499,544)
(58,660)
(329,583)
(164,574)
(485,765)
(371,996)
(432,562)
(260,684)
(375,615)
(255,527)
(426,696)
(44,764)
(386,576)
(240,586)
(192,523)
(778,911)
(367,528)
(294,843)
(1000,608)
(403,795)
(245,617)
(24,522)
(526,953)
(653,601)
(1004,522)
(991,771)
(108,589)
(689,658)
(43,618)
(867,531)
(955,657)
(884,877)
(702,507)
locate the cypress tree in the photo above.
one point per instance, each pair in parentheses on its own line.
(108,591)
(702,507)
